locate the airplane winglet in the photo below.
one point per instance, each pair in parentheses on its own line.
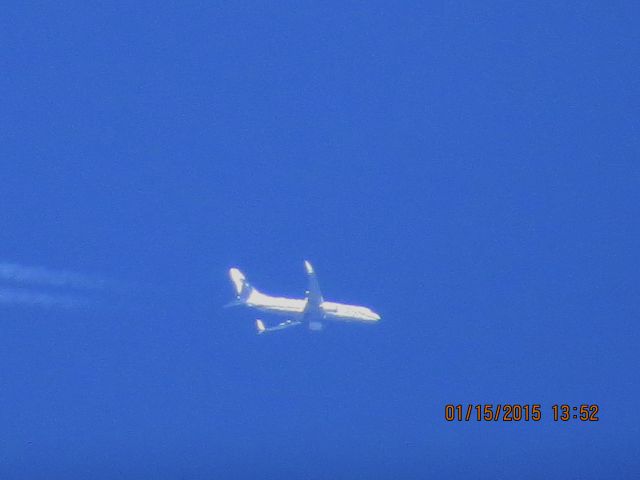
(308,267)
(314,295)
(260,326)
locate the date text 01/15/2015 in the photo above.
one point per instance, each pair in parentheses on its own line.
(515,412)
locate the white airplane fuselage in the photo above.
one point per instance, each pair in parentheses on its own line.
(313,309)
(294,307)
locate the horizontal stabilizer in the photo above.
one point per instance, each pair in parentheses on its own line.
(234,303)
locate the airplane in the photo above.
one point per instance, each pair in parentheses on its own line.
(312,310)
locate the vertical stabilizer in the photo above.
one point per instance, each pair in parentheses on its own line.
(243,289)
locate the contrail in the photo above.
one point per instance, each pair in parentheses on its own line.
(52,278)
(19,296)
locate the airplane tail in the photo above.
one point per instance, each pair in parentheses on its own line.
(242,288)
(260,326)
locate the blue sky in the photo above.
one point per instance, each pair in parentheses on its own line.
(467,169)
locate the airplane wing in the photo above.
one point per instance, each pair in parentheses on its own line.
(314,295)
(262,328)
